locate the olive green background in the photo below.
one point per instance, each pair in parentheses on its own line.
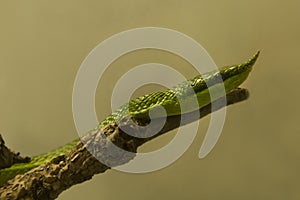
(42,44)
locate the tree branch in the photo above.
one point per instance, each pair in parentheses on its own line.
(49,180)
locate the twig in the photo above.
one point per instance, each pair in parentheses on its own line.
(9,157)
(49,180)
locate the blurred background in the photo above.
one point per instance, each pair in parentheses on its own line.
(43,44)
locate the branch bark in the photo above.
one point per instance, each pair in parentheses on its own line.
(49,180)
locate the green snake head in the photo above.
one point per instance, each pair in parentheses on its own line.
(207,88)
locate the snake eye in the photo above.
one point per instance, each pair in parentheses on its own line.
(194,83)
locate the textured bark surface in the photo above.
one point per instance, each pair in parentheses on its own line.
(49,180)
